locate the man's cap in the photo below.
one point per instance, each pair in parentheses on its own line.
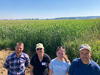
(84,46)
(39,45)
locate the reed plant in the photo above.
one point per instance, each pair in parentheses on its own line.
(52,33)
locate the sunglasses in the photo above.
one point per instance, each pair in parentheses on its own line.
(61,47)
(39,49)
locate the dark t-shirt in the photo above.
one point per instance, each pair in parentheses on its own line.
(40,68)
(78,68)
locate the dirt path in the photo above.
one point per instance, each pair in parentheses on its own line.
(3,56)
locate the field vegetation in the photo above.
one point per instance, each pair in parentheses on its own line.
(52,33)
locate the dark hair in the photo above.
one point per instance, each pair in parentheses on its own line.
(63,48)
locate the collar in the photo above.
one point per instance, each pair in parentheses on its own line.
(89,62)
(22,55)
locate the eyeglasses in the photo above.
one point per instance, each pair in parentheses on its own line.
(84,54)
(39,49)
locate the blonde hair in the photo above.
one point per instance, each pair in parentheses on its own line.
(62,48)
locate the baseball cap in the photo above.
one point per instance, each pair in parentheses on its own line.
(39,45)
(84,46)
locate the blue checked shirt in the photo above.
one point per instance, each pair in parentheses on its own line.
(16,66)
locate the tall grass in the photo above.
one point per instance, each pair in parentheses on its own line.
(52,33)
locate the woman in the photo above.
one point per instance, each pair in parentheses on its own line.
(59,65)
(39,64)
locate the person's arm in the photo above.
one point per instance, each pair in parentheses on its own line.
(31,70)
(67,73)
(27,63)
(69,64)
(50,71)
(71,68)
(6,64)
(48,64)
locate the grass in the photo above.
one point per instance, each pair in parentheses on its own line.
(52,33)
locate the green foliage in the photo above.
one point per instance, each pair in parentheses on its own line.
(96,51)
(52,33)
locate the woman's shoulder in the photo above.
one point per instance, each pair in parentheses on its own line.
(54,59)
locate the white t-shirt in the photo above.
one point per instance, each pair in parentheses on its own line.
(59,67)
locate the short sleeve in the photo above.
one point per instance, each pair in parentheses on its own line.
(51,65)
(32,61)
(68,66)
(71,68)
(27,63)
(48,59)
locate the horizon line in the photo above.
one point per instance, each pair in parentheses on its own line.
(44,18)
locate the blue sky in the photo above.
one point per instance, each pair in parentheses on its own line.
(19,9)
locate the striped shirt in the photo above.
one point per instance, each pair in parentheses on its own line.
(16,66)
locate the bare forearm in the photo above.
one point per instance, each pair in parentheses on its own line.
(31,70)
(67,73)
(31,73)
(50,72)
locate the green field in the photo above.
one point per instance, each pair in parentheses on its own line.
(52,33)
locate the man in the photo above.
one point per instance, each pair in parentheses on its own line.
(84,65)
(39,64)
(16,62)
